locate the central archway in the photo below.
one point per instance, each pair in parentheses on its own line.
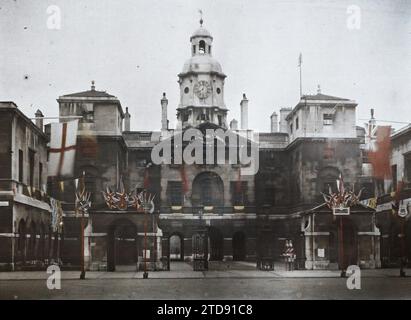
(122,245)
(208,190)
(176,247)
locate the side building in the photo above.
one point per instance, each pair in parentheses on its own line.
(28,238)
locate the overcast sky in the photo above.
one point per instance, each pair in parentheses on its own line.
(135,49)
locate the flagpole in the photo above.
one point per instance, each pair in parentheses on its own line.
(300,61)
(82,268)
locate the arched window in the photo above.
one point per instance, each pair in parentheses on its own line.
(208,190)
(202,46)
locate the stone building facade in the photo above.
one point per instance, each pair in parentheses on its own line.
(246,217)
(27,240)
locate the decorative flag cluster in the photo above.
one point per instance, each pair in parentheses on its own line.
(380,154)
(342,198)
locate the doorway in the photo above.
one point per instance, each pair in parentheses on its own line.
(122,247)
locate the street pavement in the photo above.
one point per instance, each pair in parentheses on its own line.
(213,288)
(234,282)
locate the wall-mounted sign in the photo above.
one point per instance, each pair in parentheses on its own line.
(341,211)
(321,252)
(4,203)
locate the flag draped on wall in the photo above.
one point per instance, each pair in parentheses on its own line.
(380,155)
(62,150)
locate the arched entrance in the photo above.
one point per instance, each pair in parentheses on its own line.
(208,190)
(216,244)
(122,245)
(176,247)
(239,246)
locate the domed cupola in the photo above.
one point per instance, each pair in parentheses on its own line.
(201,84)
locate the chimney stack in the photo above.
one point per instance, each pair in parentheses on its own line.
(274,122)
(127,117)
(39,121)
(234,124)
(284,112)
(244,113)
(164,121)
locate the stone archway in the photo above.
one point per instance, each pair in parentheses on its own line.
(208,190)
(122,245)
(176,247)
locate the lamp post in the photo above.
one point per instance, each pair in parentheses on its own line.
(147,204)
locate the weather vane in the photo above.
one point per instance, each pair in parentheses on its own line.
(201,17)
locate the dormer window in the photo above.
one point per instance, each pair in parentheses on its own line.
(202,46)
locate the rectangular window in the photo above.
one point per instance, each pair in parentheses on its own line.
(40,176)
(21,166)
(31,163)
(291,128)
(296,123)
(327,119)
(175,193)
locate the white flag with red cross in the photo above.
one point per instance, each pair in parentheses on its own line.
(62,152)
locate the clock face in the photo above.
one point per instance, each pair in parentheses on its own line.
(202,89)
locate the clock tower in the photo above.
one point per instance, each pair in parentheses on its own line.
(201,85)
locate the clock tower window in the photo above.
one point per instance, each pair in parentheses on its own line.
(202,46)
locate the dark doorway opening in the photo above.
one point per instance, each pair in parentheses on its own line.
(122,245)
(349,250)
(216,246)
(239,246)
(176,247)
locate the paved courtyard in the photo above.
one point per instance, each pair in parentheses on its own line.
(226,281)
